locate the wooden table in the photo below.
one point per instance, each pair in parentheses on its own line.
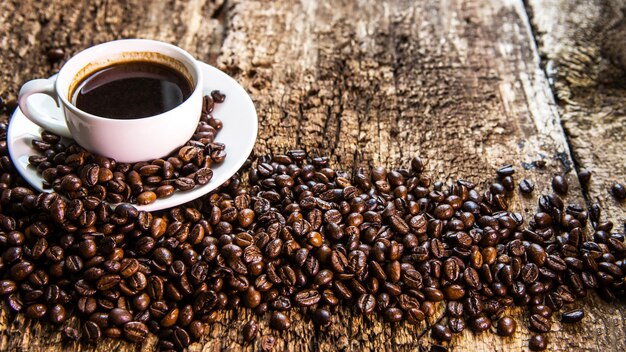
(468,85)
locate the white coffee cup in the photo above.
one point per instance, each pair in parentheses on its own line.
(128,140)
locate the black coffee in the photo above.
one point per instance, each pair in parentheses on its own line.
(131,90)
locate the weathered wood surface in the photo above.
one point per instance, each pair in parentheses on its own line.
(369,83)
(584,44)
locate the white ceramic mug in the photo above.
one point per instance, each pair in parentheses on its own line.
(129,140)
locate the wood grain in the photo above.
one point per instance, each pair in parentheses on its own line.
(584,43)
(368,83)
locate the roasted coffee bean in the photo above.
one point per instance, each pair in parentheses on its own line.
(107,282)
(584,176)
(539,323)
(572,316)
(619,191)
(506,170)
(135,331)
(57,314)
(267,343)
(250,331)
(441,333)
(537,342)
(393,315)
(480,323)
(560,184)
(118,316)
(443,212)
(307,298)
(456,324)
(279,321)
(147,197)
(366,304)
(170,318)
(506,326)
(391,242)
(184,183)
(252,297)
(91,331)
(321,317)
(7,287)
(536,254)
(55,54)
(36,311)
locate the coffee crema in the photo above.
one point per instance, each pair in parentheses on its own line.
(131,90)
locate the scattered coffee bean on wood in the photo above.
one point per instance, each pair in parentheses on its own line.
(572,316)
(560,184)
(526,186)
(506,326)
(619,191)
(538,342)
(393,244)
(55,54)
(584,176)
(250,330)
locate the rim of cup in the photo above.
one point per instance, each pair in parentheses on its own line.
(63,82)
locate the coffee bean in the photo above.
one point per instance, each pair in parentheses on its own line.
(392,242)
(560,184)
(506,170)
(252,298)
(36,311)
(480,323)
(57,314)
(218,96)
(321,317)
(526,186)
(107,282)
(21,270)
(196,329)
(55,54)
(393,315)
(572,316)
(91,331)
(454,292)
(366,304)
(70,334)
(147,197)
(441,333)
(279,321)
(539,323)
(119,316)
(584,176)
(444,212)
(506,326)
(433,294)
(87,305)
(135,331)
(181,338)
(619,191)
(536,254)
(456,324)
(307,298)
(7,287)
(250,331)
(537,342)
(267,343)
(543,220)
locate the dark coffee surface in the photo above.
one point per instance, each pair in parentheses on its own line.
(131,90)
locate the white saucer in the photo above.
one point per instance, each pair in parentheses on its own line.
(239,132)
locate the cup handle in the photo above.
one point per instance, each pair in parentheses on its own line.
(41,86)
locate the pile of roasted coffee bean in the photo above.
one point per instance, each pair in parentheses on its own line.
(76,173)
(394,244)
